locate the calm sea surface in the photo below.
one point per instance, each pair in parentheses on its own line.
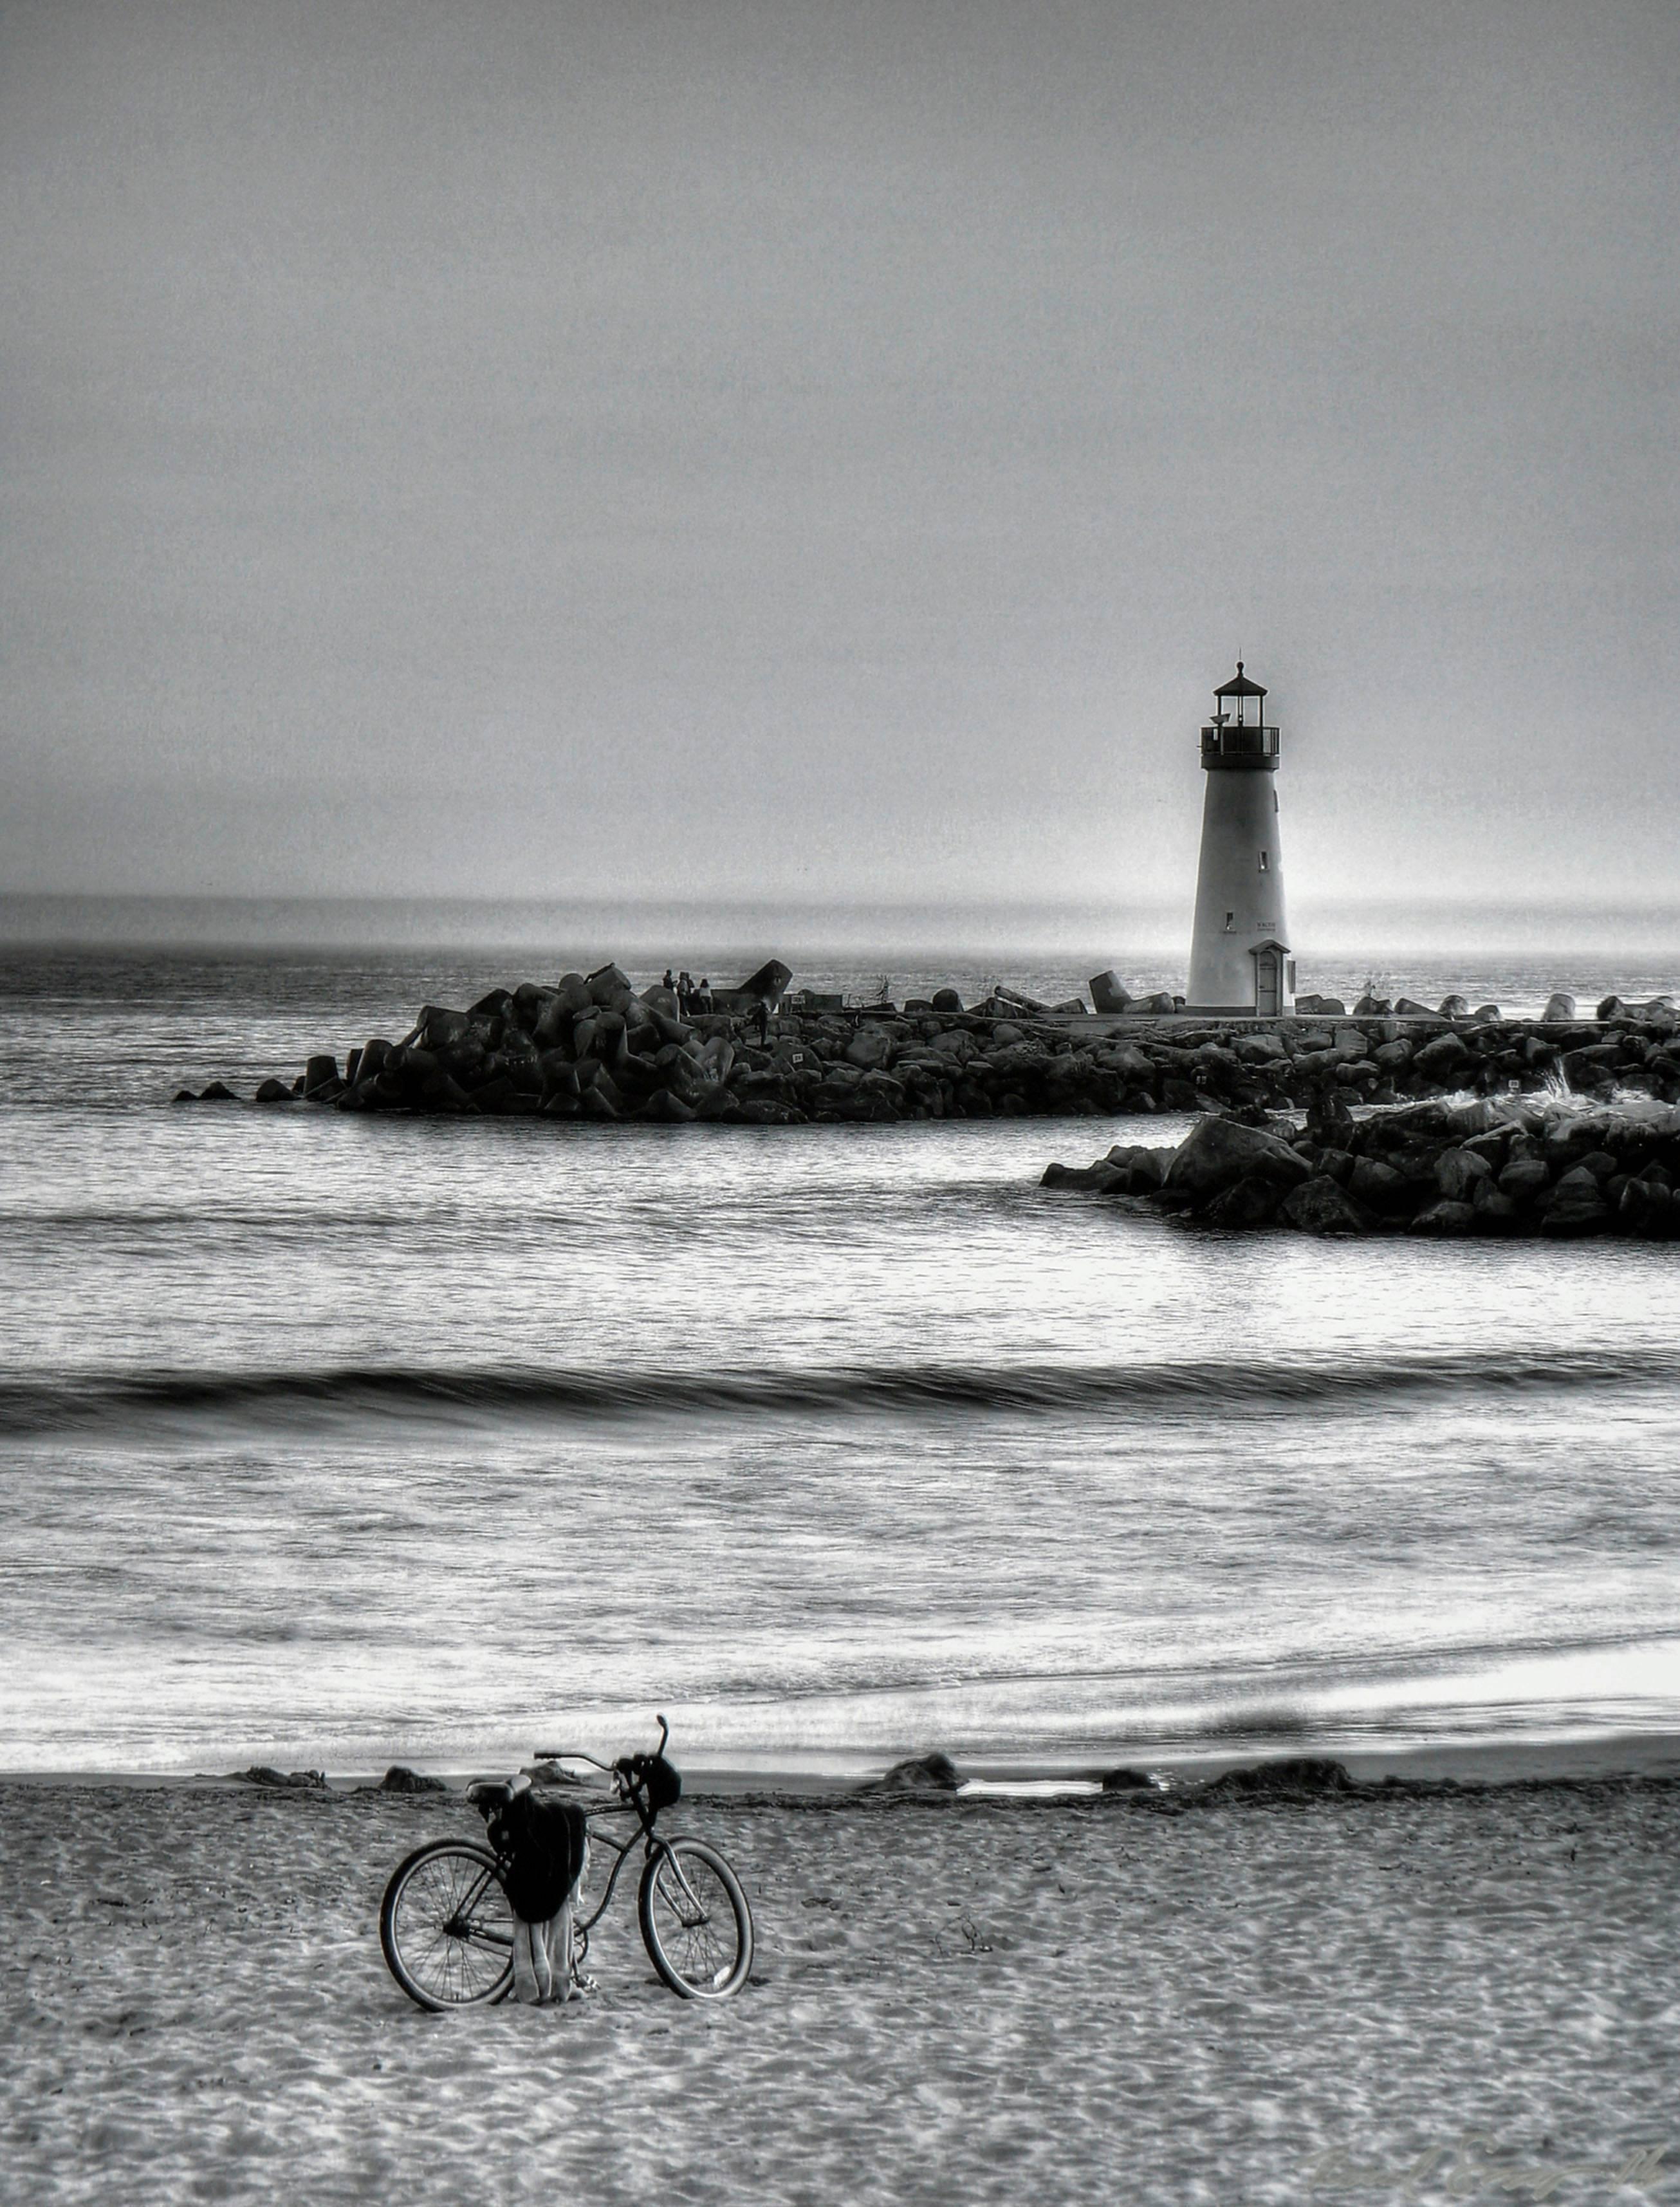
(337,1440)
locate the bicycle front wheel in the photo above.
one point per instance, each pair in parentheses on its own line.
(447,1927)
(696,1923)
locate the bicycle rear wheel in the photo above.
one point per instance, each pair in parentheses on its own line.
(446,1928)
(696,1923)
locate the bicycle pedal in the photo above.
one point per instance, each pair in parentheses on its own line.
(580,1983)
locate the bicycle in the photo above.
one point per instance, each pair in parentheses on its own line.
(447,1927)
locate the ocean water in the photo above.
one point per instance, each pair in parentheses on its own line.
(338,1440)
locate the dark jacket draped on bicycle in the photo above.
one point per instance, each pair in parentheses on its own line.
(542,1834)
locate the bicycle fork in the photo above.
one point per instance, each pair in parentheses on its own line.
(700,1915)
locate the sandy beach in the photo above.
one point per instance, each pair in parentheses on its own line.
(1473,1991)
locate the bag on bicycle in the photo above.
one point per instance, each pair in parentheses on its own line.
(663,1781)
(543,1836)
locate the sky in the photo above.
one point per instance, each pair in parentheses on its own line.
(832,450)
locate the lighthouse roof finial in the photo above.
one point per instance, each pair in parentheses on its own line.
(1240,687)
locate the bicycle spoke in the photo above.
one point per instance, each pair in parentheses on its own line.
(445,1929)
(687,1902)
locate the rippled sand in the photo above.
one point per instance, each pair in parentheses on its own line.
(954,2000)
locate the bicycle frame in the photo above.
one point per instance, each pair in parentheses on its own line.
(646,1820)
(486,1936)
(631,1801)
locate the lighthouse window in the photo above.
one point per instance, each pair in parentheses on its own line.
(1265,862)
(1230,922)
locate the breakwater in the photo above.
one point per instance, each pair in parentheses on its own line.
(595,1049)
(1506,1166)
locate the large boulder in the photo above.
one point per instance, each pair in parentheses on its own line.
(869,1048)
(1647,1208)
(1559,1006)
(1247,1203)
(1212,1062)
(441,1029)
(1319,1205)
(1300,1777)
(954,1046)
(1443,1059)
(946,1000)
(607,984)
(769,983)
(1019,1059)
(1446,1220)
(921,1773)
(670,1028)
(1131,1063)
(1378,1186)
(1495,1213)
(1146,1169)
(665,1105)
(1100,1178)
(1126,1779)
(529,1001)
(553,1022)
(1217,1153)
(1573,1212)
(1109,993)
(399,1779)
(1524,1179)
(559,1074)
(1317,1064)
(1458,1172)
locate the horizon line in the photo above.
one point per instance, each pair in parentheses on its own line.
(651,900)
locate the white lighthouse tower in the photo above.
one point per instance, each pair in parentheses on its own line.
(1240,953)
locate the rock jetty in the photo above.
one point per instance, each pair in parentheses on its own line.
(592,1047)
(1510,1167)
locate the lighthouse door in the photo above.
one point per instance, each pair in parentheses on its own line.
(1267,1003)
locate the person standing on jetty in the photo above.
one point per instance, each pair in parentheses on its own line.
(684,993)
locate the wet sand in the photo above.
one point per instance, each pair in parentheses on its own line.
(953,2000)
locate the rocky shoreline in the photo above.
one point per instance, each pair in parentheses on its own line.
(594,1048)
(1506,1167)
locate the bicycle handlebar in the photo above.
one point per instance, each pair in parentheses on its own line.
(623,1766)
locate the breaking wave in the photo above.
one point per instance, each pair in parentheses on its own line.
(353,1393)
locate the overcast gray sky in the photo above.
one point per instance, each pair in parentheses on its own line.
(823,448)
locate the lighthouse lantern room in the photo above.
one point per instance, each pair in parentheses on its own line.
(1240,958)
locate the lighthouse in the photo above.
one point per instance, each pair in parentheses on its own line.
(1240,953)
